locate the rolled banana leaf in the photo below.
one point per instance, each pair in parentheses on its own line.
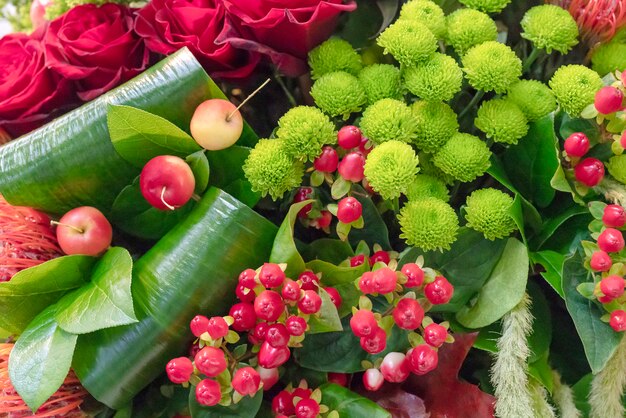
(191,270)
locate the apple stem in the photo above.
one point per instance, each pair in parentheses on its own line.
(170,207)
(246,99)
(80,231)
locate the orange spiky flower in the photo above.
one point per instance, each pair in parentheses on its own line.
(598,20)
(65,403)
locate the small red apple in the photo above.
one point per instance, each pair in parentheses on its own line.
(84,230)
(167,182)
(216,124)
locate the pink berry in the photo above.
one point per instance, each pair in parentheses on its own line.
(283,403)
(349,210)
(395,368)
(608,100)
(604,299)
(246,381)
(589,171)
(618,320)
(435,335)
(309,280)
(340,379)
(422,359)
(414,275)
(179,370)
(199,325)
(439,291)
(373,379)
(349,137)
(611,240)
(269,377)
(302,393)
(310,302)
(622,140)
(290,290)
(612,286)
(380,257)
(408,314)
(323,221)
(210,361)
(363,323)
(244,315)
(366,283)
(296,325)
(217,328)
(576,145)
(357,260)
(244,294)
(247,279)
(208,392)
(351,167)
(271,357)
(269,305)
(614,216)
(384,280)
(600,261)
(167,182)
(304,193)
(277,335)
(271,275)
(327,161)
(307,408)
(363,147)
(260,331)
(376,342)
(335,297)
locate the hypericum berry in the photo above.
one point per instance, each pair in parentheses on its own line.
(609,100)
(310,302)
(304,193)
(179,370)
(589,171)
(244,315)
(408,314)
(611,240)
(351,167)
(217,328)
(622,140)
(340,379)
(612,286)
(271,275)
(296,325)
(380,257)
(439,291)
(374,343)
(244,294)
(422,359)
(614,216)
(618,320)
(246,381)
(357,260)
(349,210)
(600,261)
(414,275)
(302,393)
(327,161)
(309,280)
(269,377)
(366,282)
(199,325)
(307,408)
(323,221)
(247,279)
(260,331)
(373,379)
(576,145)
(349,137)
(363,323)
(194,349)
(290,290)
(435,335)
(208,392)
(384,280)
(210,361)
(335,297)
(277,335)
(395,368)
(283,403)
(269,305)
(271,357)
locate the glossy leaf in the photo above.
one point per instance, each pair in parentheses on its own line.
(246,408)
(330,250)
(552,225)
(341,278)
(541,337)
(375,230)
(199,164)
(350,404)
(541,371)
(41,359)
(586,126)
(105,301)
(327,319)
(552,262)
(284,249)
(32,290)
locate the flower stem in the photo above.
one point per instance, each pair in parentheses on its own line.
(281,83)
(534,54)
(477,96)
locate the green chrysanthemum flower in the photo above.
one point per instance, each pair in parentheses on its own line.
(270,170)
(610,56)
(427,13)
(491,66)
(424,186)
(436,123)
(381,81)
(388,119)
(534,98)
(487,6)
(338,94)
(575,87)
(439,78)
(469,27)
(334,55)
(390,168)
(409,42)
(304,130)
(502,120)
(489,211)
(429,224)
(463,157)
(617,167)
(550,27)
(429,168)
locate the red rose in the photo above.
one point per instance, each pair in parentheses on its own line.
(168,25)
(30,93)
(95,46)
(283,32)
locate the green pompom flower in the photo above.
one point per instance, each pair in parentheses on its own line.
(469,27)
(304,130)
(381,81)
(550,27)
(575,87)
(334,55)
(270,170)
(611,56)
(436,123)
(388,119)
(439,78)
(491,66)
(390,168)
(428,167)
(409,42)
(502,120)
(464,157)
(427,13)
(487,6)
(534,98)
(488,211)
(338,94)
(617,167)
(424,186)
(429,224)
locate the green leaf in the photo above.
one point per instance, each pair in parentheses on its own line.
(284,249)
(139,136)
(502,291)
(341,278)
(350,404)
(327,319)
(331,250)
(552,262)
(586,126)
(104,302)
(375,231)
(551,225)
(541,337)
(41,359)
(32,290)
(541,371)
(200,166)
(246,408)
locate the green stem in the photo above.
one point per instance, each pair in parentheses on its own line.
(534,54)
(477,96)
(281,83)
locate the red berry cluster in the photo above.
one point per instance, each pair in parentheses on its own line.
(300,401)
(588,171)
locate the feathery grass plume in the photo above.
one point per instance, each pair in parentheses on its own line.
(563,397)
(607,387)
(469,27)
(509,370)
(539,394)
(334,55)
